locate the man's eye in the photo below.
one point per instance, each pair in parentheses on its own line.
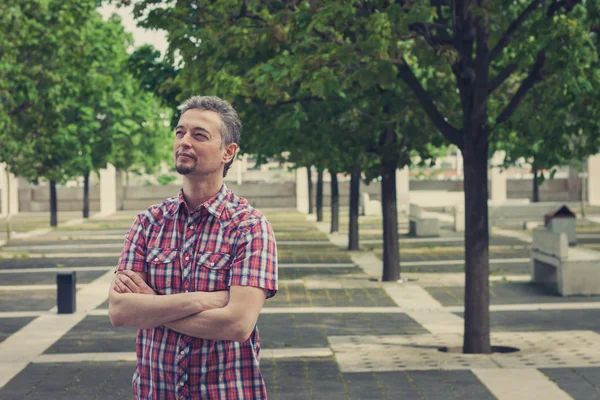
(179,133)
(200,135)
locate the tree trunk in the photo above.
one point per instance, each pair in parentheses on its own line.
(8,210)
(320,195)
(477,323)
(124,190)
(335,203)
(354,194)
(53,205)
(310,192)
(86,195)
(583,187)
(536,186)
(391,254)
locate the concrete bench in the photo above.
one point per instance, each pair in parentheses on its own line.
(574,271)
(421,224)
(371,207)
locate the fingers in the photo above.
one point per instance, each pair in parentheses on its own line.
(120,286)
(136,279)
(126,280)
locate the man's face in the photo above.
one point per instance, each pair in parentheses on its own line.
(197,147)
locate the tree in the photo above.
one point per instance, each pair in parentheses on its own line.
(42,77)
(480,45)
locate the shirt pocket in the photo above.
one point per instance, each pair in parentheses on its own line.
(162,272)
(212,272)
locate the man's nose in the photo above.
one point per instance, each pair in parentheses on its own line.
(185,140)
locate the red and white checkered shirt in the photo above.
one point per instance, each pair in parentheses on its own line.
(224,242)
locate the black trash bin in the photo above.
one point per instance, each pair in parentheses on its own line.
(66,294)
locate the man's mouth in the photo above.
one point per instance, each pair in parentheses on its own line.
(183,155)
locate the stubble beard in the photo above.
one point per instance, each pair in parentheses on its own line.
(184,169)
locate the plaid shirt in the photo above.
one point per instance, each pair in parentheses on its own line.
(223,242)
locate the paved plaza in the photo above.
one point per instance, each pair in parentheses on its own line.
(333,331)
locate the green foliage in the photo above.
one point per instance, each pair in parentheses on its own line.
(68,105)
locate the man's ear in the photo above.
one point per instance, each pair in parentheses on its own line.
(230,152)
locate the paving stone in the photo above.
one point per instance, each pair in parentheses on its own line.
(579,383)
(17,263)
(544,320)
(299,296)
(307,378)
(44,278)
(95,334)
(71,381)
(27,300)
(312,330)
(498,269)
(73,241)
(508,293)
(324,273)
(8,326)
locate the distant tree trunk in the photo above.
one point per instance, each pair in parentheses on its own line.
(320,195)
(53,205)
(335,203)
(86,195)
(310,192)
(354,195)
(477,299)
(583,187)
(536,186)
(8,210)
(391,254)
(124,190)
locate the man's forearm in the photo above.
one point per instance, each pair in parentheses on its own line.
(147,311)
(217,324)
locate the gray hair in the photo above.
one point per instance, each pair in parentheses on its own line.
(231,126)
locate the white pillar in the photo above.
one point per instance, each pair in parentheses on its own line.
(9,183)
(402,190)
(593,173)
(302,190)
(108,190)
(498,178)
(239,168)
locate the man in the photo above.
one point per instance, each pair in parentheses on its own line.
(195,271)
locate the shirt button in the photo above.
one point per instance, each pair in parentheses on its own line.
(181,384)
(192,227)
(212,264)
(187,258)
(156,259)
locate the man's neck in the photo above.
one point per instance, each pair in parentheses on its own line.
(197,191)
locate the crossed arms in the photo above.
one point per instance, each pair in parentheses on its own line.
(209,315)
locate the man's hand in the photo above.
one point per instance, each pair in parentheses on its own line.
(130,282)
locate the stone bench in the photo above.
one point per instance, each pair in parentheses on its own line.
(574,271)
(421,224)
(371,207)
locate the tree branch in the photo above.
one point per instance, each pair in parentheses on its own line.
(328,38)
(534,76)
(406,74)
(516,24)
(502,76)
(433,38)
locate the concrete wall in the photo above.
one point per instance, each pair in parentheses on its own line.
(259,195)
(262,194)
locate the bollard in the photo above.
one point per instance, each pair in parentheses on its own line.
(66,293)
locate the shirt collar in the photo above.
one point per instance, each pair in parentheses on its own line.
(215,205)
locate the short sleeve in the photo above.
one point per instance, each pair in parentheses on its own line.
(255,262)
(133,256)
